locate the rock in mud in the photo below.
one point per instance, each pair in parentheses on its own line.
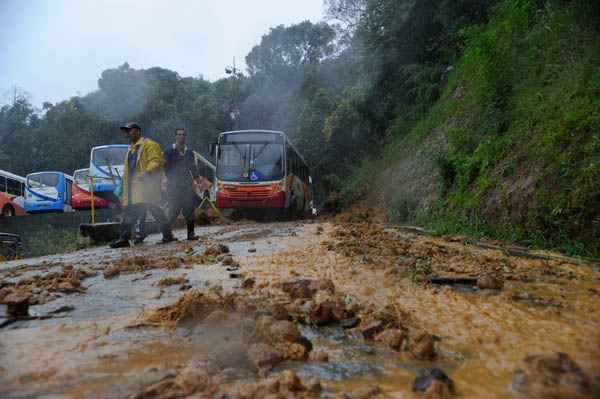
(350,322)
(279,311)
(422,347)
(216,250)
(490,282)
(283,330)
(17,305)
(229,261)
(429,376)
(263,356)
(364,392)
(437,390)
(393,338)
(319,356)
(248,283)
(551,376)
(370,330)
(294,351)
(283,385)
(251,250)
(306,288)
(322,314)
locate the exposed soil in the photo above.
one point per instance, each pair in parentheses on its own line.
(350,308)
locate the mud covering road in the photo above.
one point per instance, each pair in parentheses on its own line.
(349,307)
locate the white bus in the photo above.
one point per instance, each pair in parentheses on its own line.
(12,194)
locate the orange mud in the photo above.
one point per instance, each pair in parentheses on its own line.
(544,306)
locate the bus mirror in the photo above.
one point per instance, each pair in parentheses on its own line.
(310,179)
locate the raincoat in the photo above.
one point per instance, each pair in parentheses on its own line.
(145,186)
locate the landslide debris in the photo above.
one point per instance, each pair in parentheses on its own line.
(553,376)
(138,264)
(41,289)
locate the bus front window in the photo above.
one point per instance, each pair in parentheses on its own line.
(82,178)
(43,180)
(250,162)
(110,156)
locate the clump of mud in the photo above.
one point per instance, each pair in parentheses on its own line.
(168,281)
(138,264)
(193,381)
(41,289)
(240,334)
(193,306)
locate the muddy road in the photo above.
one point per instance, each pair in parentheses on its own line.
(348,308)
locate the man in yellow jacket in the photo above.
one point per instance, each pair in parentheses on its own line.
(144,163)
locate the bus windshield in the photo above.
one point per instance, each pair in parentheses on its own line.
(81,177)
(43,180)
(250,162)
(109,156)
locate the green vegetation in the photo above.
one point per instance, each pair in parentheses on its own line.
(521,114)
(40,243)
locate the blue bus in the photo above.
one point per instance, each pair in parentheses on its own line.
(107,163)
(48,192)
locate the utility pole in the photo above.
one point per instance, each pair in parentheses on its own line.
(234,109)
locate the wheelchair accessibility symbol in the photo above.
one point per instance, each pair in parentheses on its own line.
(253,176)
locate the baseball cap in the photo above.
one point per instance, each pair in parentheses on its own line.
(130,125)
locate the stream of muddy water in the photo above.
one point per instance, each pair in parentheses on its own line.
(354,309)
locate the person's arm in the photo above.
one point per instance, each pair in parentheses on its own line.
(168,159)
(155,156)
(193,166)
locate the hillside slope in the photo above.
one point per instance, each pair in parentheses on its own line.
(512,148)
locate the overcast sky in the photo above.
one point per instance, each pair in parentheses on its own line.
(55,49)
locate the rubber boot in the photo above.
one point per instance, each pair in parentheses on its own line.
(167,235)
(191,236)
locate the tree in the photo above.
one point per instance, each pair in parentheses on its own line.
(288,49)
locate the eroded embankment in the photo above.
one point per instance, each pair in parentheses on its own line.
(349,308)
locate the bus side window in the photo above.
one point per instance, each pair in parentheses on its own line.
(3,184)
(13,187)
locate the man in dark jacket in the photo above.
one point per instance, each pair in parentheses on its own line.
(181,171)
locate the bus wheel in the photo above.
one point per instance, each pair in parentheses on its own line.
(8,211)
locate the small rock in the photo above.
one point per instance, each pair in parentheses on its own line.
(423,347)
(279,312)
(295,351)
(216,250)
(263,356)
(364,392)
(322,314)
(370,330)
(490,282)
(283,330)
(553,375)
(393,338)
(437,390)
(306,288)
(319,356)
(248,283)
(350,322)
(17,304)
(229,261)
(428,376)
(290,380)
(251,250)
